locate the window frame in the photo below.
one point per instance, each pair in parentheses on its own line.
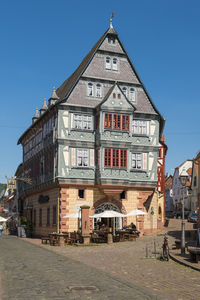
(80,119)
(132,92)
(117,122)
(139,127)
(108,64)
(90,88)
(136,160)
(83,157)
(115,65)
(98,89)
(115,158)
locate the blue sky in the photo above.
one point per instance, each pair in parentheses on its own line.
(43,41)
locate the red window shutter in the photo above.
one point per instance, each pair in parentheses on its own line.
(123,158)
(107,158)
(115,158)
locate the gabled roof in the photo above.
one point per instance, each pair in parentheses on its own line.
(68,84)
(110,92)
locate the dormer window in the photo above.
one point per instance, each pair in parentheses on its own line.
(108,63)
(114,64)
(119,96)
(90,89)
(114,95)
(132,94)
(98,91)
(124,90)
(111,40)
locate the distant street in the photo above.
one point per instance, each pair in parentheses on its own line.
(118,271)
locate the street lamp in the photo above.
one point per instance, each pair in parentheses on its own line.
(183,179)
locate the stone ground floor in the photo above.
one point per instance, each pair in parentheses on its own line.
(47,210)
(119,271)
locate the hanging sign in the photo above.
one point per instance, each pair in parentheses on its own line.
(11,183)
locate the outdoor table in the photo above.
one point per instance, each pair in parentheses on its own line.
(58,238)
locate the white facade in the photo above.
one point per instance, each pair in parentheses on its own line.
(180,192)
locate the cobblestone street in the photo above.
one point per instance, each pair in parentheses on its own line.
(32,272)
(118,271)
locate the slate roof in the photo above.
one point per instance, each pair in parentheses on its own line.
(68,84)
(66,88)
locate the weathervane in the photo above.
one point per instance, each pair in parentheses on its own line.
(112,15)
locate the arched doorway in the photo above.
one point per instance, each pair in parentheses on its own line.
(107,221)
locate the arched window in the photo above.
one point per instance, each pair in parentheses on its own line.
(124,90)
(114,95)
(98,90)
(90,89)
(114,65)
(108,63)
(132,94)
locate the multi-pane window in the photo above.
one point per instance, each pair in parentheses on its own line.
(139,127)
(114,64)
(117,121)
(114,121)
(108,63)
(108,121)
(137,160)
(90,89)
(98,91)
(82,122)
(115,158)
(82,158)
(132,94)
(125,122)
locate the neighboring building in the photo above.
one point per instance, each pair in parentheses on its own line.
(194,186)
(96,142)
(169,207)
(197,162)
(179,192)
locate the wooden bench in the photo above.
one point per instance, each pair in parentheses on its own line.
(194,253)
(45,239)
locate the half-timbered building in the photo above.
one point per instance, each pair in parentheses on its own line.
(95,142)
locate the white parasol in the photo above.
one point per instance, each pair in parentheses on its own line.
(136,212)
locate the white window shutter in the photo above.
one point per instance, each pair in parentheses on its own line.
(130,159)
(144,159)
(147,127)
(92,157)
(72,120)
(73,156)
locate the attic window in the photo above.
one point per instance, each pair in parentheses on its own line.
(124,90)
(114,65)
(111,40)
(119,96)
(90,89)
(114,95)
(108,63)
(132,94)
